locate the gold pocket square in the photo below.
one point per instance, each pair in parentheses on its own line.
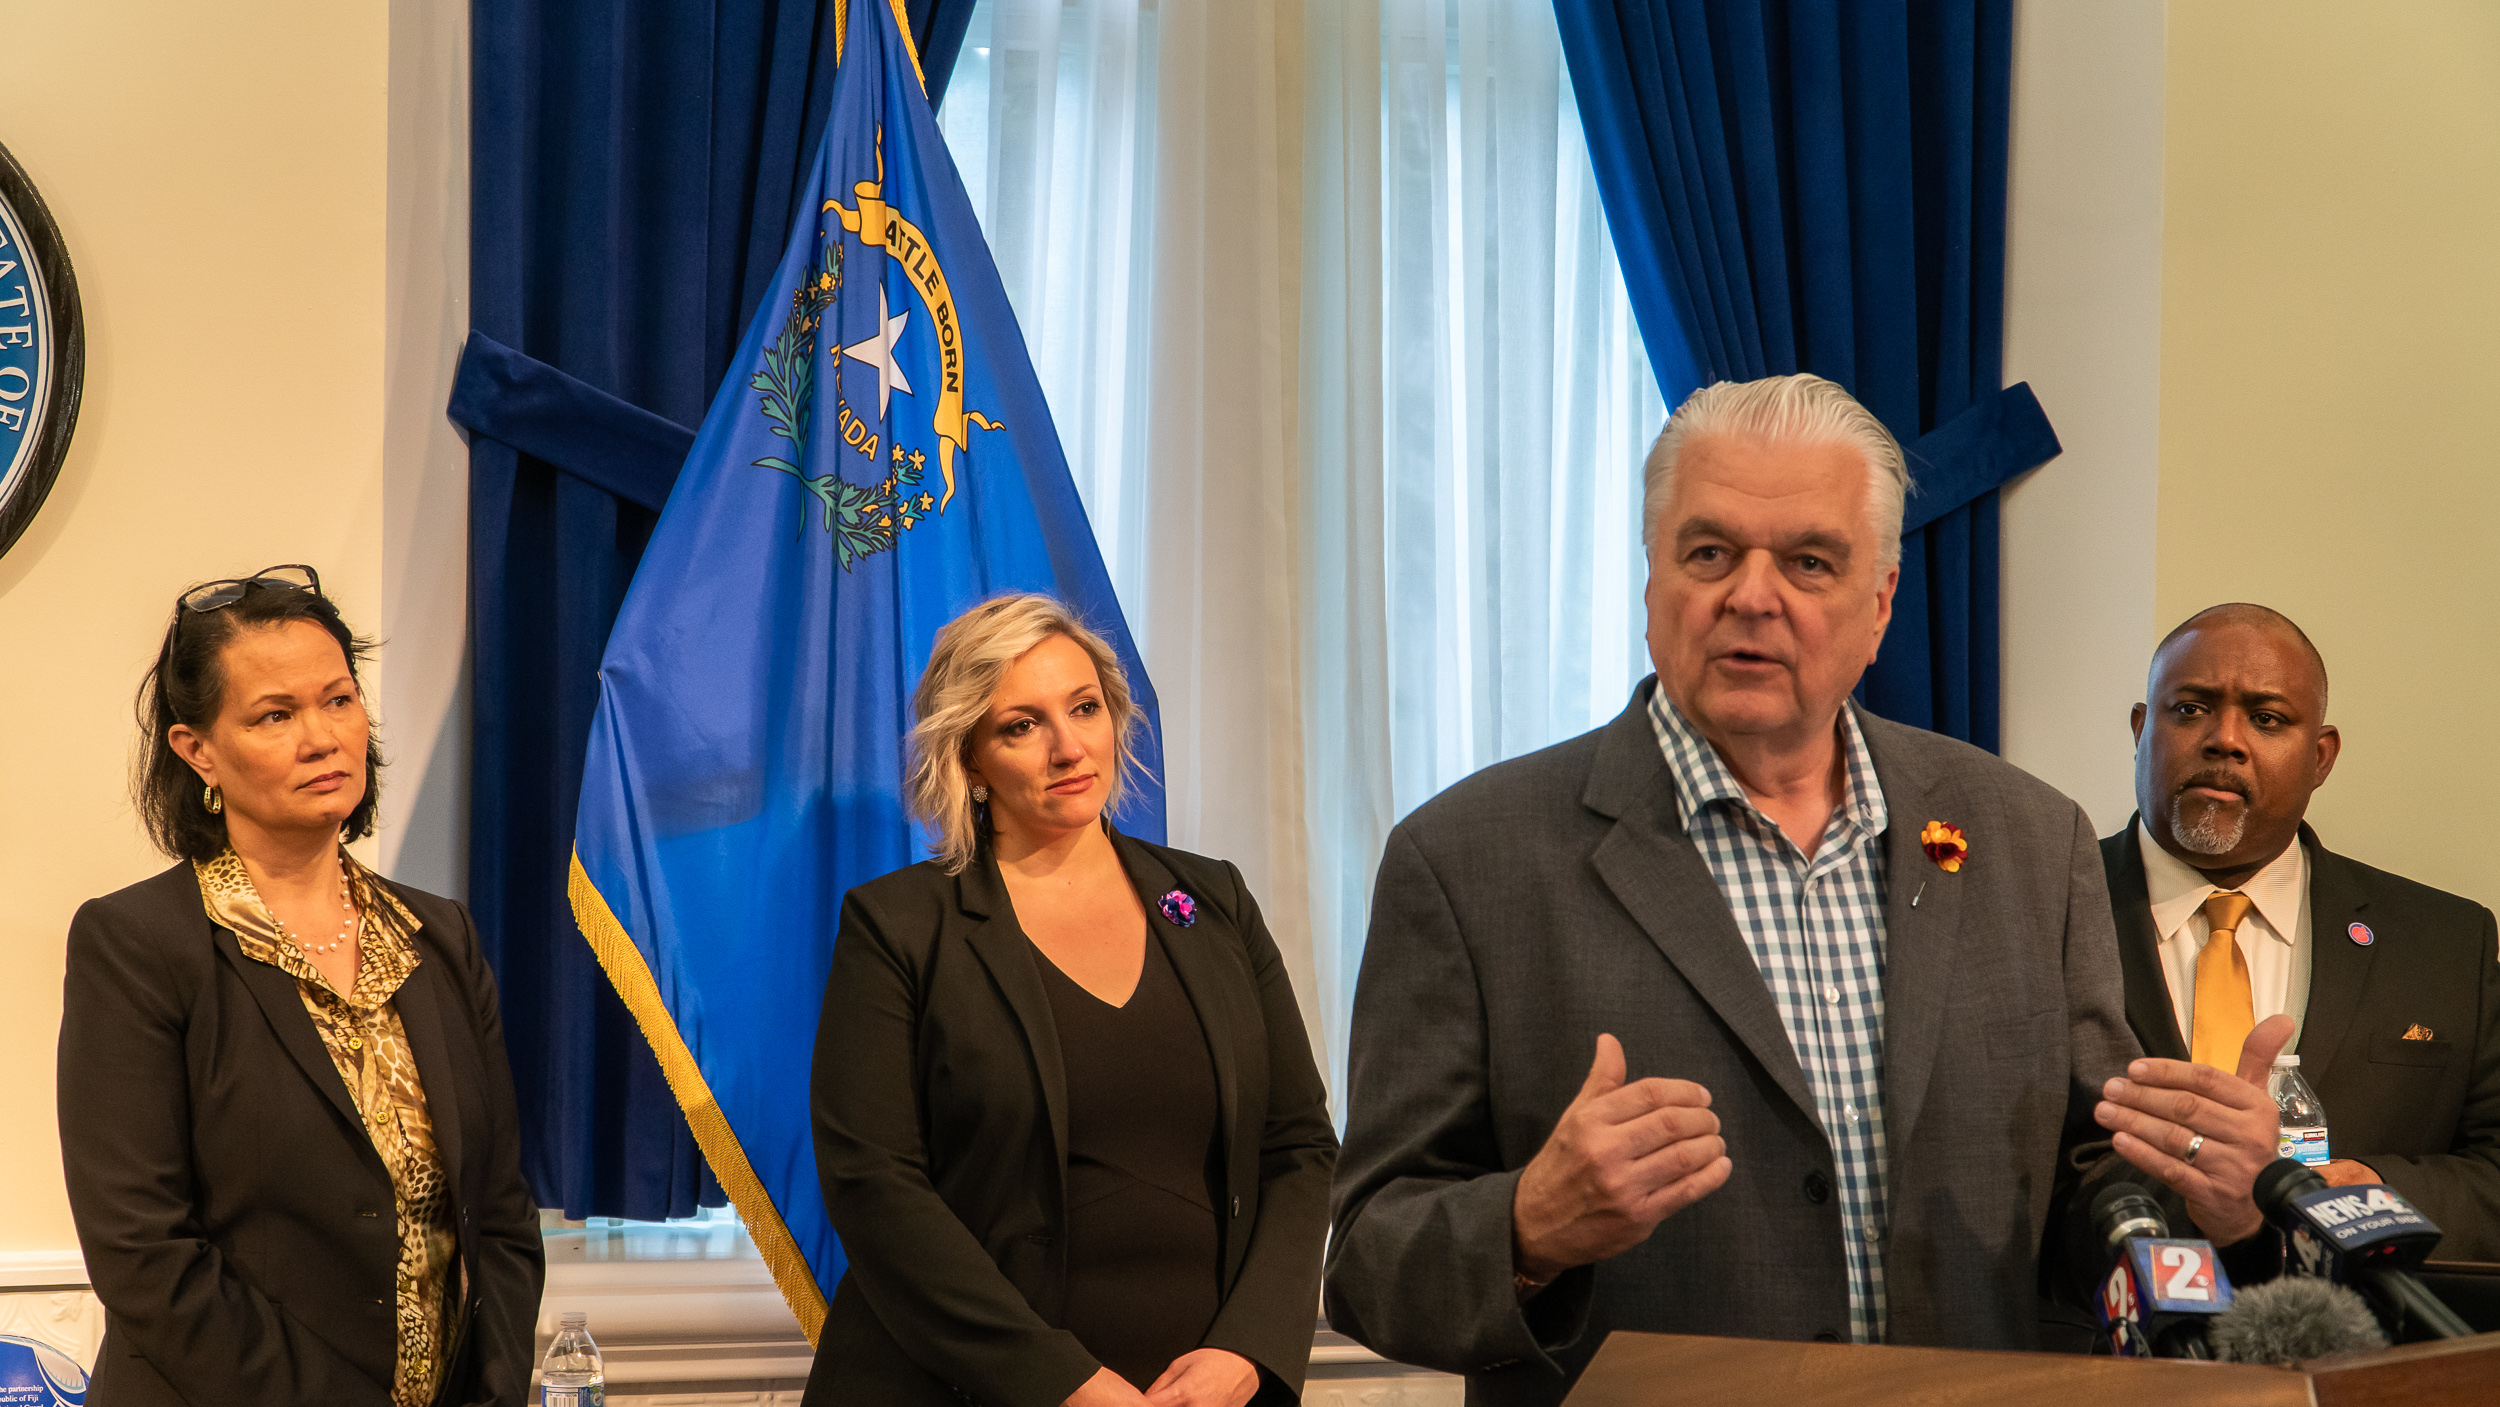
(2419,1032)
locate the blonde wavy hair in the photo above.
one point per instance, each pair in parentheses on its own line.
(970,656)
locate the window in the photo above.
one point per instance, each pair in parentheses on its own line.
(1477,430)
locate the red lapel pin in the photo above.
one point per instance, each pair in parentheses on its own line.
(2360,933)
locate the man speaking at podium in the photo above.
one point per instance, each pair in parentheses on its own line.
(2229,909)
(1749,1013)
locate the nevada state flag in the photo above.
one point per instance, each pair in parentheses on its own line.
(878,460)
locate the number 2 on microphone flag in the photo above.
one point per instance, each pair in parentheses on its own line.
(878,459)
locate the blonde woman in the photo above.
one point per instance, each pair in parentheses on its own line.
(1066,1115)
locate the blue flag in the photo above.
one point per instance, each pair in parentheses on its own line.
(879,458)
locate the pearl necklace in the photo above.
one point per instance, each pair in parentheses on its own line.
(347,927)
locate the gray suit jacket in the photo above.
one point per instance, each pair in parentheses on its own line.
(1556,896)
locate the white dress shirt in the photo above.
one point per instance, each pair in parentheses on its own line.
(2274,938)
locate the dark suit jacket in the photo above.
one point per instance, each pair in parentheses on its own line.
(1556,896)
(2424,1114)
(942,1128)
(236,1220)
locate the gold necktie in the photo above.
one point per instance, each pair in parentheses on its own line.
(2224,1009)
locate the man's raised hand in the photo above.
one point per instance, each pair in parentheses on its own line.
(1623,1158)
(2204,1132)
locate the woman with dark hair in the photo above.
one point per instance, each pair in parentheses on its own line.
(286,1118)
(1067,1119)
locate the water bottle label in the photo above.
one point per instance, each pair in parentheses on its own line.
(2306,1145)
(595,1395)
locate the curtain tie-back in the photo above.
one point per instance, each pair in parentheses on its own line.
(1977,451)
(611,444)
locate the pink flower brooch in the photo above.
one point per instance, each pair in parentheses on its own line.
(1179,909)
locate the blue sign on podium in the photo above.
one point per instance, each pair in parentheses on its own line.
(35,1374)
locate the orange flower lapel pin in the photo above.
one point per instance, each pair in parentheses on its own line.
(1944,844)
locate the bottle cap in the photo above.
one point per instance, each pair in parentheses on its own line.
(576,1319)
(2287,1062)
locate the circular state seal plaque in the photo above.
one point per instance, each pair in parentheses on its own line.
(42,350)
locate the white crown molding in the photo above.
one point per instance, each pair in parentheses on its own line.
(43,1270)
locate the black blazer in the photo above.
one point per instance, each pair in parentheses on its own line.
(2424,1113)
(236,1220)
(941,1116)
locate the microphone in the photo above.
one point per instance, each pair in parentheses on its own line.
(2292,1320)
(2364,1235)
(2160,1293)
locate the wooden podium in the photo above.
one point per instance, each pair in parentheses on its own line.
(1655,1370)
(2471,1288)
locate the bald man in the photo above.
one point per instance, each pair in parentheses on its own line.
(2395,985)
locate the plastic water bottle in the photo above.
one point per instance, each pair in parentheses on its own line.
(572,1375)
(2304,1118)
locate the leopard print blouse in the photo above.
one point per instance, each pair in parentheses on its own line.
(370,1049)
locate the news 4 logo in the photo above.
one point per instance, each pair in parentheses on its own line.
(2336,1230)
(2360,1216)
(35,1374)
(2310,1255)
(2181,1277)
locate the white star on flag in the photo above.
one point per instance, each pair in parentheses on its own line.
(878,351)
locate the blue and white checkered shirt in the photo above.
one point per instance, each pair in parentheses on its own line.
(1816,929)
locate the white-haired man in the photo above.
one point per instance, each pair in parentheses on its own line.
(1749,1013)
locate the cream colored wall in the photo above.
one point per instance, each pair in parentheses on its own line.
(2329,358)
(2083,325)
(217,172)
(425,464)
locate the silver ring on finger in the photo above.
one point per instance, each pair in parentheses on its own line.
(2196,1145)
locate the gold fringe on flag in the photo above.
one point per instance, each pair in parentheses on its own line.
(902,24)
(631,974)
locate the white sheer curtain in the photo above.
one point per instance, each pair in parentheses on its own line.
(1051,117)
(1476,403)
(1506,493)
(1328,315)
(1134,166)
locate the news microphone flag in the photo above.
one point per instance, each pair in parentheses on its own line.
(2338,1232)
(2161,1291)
(2361,1234)
(878,459)
(2159,1294)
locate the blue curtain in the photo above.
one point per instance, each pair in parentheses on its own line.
(632,172)
(1819,185)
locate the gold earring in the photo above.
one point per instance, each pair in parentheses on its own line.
(216,804)
(980,794)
